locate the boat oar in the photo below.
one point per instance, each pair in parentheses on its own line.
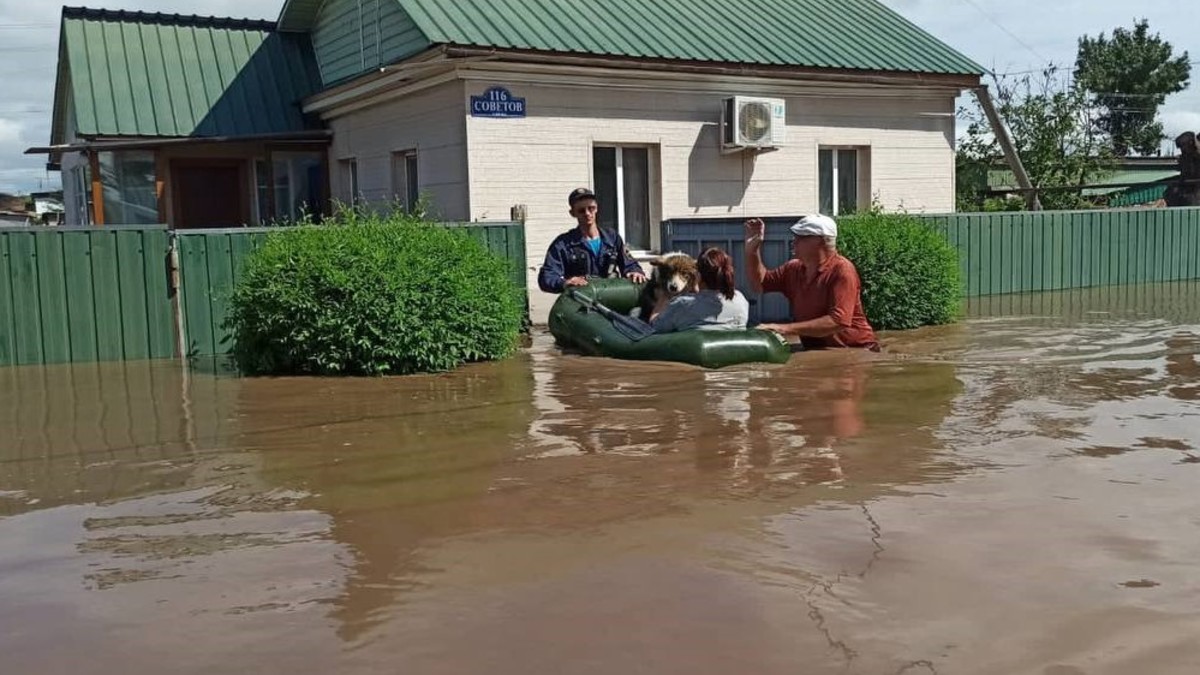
(632,328)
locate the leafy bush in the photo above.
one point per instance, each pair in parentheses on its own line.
(372,295)
(910,272)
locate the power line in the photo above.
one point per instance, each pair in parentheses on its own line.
(1011,34)
(1117,94)
(1051,66)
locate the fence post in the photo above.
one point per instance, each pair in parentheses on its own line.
(173,291)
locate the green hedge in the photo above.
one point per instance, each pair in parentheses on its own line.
(372,295)
(910,273)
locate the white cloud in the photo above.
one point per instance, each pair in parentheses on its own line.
(10,131)
(1176,122)
(32,179)
(1010,36)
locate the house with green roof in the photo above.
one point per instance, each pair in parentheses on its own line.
(666,108)
(191,121)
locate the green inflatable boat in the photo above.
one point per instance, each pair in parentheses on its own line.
(594,320)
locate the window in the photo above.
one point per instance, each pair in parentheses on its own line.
(405,184)
(82,181)
(623,186)
(299,180)
(350,180)
(130,188)
(841,186)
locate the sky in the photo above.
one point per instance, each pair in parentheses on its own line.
(1004,36)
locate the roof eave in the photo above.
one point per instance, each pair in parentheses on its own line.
(320,136)
(62,77)
(954,80)
(291,20)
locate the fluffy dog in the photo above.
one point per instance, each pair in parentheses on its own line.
(670,275)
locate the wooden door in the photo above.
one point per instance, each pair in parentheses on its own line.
(210,193)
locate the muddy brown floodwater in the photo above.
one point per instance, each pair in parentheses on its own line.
(1015,494)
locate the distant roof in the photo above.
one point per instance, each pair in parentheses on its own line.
(839,34)
(151,74)
(1119,180)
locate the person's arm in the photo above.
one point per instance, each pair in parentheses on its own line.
(756,270)
(630,268)
(550,277)
(815,328)
(843,298)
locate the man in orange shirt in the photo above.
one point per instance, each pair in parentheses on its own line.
(821,286)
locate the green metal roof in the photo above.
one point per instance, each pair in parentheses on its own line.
(1003,179)
(142,74)
(1139,195)
(841,34)
(1117,178)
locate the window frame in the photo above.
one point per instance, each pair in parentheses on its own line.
(348,177)
(653,189)
(403,161)
(862,164)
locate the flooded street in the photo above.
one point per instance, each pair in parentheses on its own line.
(1014,494)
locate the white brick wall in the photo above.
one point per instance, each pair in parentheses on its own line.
(478,168)
(537,160)
(433,122)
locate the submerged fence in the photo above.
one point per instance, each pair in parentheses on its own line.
(130,293)
(1002,253)
(84,295)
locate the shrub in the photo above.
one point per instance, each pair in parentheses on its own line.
(910,272)
(372,295)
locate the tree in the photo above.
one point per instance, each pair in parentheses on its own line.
(1051,124)
(1129,76)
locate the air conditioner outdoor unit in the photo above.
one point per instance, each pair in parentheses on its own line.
(749,122)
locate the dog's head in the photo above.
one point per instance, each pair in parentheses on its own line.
(674,273)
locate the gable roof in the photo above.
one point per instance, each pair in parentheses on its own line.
(841,34)
(165,75)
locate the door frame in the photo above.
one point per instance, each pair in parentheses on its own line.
(209,163)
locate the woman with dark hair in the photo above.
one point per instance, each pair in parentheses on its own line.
(717,305)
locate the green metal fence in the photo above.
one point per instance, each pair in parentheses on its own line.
(1008,252)
(210,263)
(106,294)
(83,295)
(1015,252)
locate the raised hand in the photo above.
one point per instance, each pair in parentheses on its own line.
(755,230)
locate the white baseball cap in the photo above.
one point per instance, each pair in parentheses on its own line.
(815,225)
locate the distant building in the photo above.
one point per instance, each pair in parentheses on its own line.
(1134,181)
(48,207)
(14,219)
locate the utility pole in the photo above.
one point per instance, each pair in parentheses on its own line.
(1006,144)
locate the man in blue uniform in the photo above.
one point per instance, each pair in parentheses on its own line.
(585,251)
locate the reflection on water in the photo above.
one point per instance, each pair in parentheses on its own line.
(1012,494)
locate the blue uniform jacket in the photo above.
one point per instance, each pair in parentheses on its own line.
(569,256)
